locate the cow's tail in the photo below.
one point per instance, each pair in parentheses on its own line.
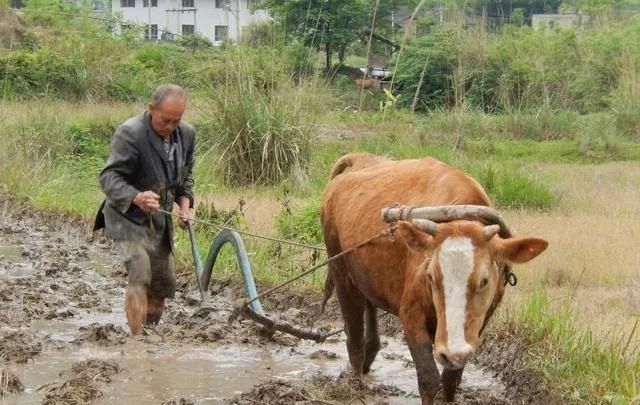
(355,161)
(329,286)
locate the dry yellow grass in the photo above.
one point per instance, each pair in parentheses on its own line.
(593,257)
(259,210)
(24,112)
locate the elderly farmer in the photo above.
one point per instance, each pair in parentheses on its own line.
(150,168)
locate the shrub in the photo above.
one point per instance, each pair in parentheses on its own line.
(508,186)
(260,34)
(599,141)
(300,59)
(194,42)
(542,124)
(520,69)
(436,54)
(625,100)
(90,138)
(302,224)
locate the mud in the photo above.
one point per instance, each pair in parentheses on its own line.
(83,386)
(9,384)
(64,338)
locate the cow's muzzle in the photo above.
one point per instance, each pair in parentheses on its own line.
(454,359)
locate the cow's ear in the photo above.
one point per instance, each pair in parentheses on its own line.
(414,238)
(518,250)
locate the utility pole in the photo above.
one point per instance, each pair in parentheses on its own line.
(227,6)
(237,21)
(236,14)
(179,12)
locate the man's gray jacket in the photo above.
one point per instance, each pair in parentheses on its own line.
(138,162)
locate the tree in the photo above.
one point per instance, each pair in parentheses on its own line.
(328,25)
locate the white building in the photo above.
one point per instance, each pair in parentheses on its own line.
(550,21)
(216,20)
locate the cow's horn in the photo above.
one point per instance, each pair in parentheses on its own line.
(445,213)
(426,226)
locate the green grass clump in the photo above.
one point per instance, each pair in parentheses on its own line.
(262,133)
(572,360)
(512,186)
(302,224)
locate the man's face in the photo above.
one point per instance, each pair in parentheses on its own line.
(166,116)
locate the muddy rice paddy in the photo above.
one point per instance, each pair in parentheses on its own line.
(64,339)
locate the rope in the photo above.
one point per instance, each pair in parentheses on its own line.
(197,221)
(385,232)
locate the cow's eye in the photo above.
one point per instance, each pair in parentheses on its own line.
(483,282)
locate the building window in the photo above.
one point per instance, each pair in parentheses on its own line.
(127,3)
(188,29)
(221,3)
(221,32)
(145,3)
(154,32)
(188,3)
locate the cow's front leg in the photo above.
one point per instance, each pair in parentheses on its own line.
(428,375)
(414,322)
(450,381)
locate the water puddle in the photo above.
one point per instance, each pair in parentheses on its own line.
(13,264)
(103,266)
(207,374)
(10,253)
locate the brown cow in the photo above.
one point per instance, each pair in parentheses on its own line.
(443,279)
(369,84)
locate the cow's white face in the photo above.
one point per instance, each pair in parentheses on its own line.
(463,279)
(456,257)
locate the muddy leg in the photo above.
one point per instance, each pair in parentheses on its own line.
(162,284)
(154,309)
(428,376)
(135,300)
(135,305)
(450,381)
(371,337)
(352,307)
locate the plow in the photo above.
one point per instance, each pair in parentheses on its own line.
(251,307)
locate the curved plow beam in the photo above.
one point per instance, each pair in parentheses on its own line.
(253,310)
(204,273)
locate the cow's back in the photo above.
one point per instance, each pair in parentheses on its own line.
(353,198)
(351,209)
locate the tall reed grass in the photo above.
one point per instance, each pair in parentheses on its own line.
(263,129)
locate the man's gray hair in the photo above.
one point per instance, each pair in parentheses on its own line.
(165,91)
